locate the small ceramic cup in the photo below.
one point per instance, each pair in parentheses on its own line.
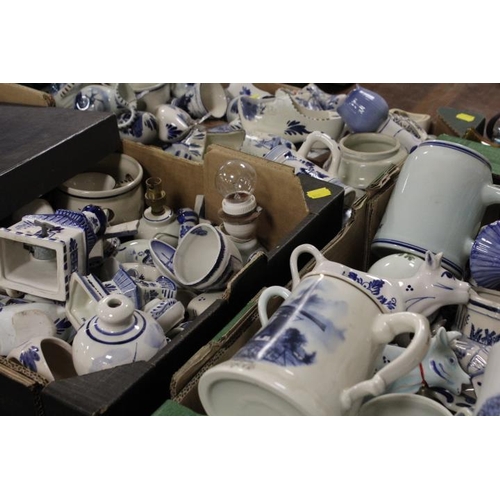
(151,95)
(168,312)
(174,123)
(206,259)
(403,405)
(479,319)
(204,100)
(187,219)
(50,357)
(363,110)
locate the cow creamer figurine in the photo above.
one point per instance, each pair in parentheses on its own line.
(429,289)
(439,369)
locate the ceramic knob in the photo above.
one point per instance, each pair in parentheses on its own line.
(116,335)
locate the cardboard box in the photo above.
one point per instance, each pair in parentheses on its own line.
(351,246)
(138,388)
(41,147)
(14,93)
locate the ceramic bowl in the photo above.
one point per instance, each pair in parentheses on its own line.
(206,259)
(485,257)
(124,201)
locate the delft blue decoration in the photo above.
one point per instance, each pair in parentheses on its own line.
(294,127)
(173,132)
(250,108)
(29,358)
(374,286)
(293,325)
(62,326)
(199,231)
(483,336)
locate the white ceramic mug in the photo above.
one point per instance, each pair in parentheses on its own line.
(316,355)
(438,203)
(48,356)
(174,123)
(151,95)
(479,319)
(205,100)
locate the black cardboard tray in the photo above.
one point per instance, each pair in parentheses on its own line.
(40,148)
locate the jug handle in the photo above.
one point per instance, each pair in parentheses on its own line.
(268,293)
(490,194)
(332,145)
(385,328)
(305,248)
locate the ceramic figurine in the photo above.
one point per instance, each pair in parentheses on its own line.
(430,288)
(116,335)
(439,368)
(43,250)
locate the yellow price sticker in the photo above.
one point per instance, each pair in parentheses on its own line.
(319,193)
(465,117)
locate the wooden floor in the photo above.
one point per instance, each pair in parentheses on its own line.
(426,98)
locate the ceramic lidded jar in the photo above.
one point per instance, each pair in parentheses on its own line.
(116,335)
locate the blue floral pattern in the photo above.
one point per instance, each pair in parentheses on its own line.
(294,127)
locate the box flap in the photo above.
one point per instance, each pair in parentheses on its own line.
(283,208)
(182,180)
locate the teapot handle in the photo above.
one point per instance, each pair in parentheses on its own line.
(268,293)
(305,248)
